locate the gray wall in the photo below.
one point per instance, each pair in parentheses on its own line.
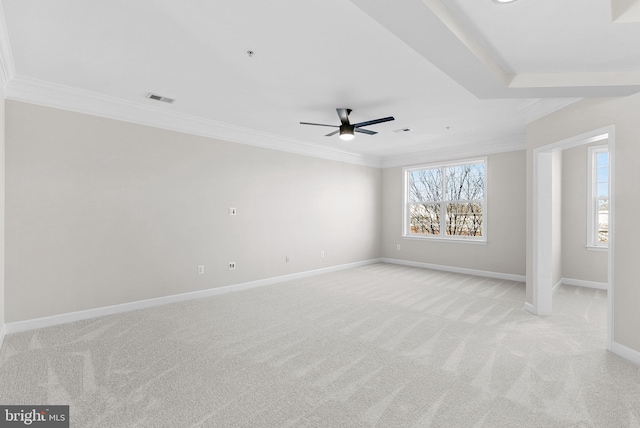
(2,208)
(504,251)
(101,212)
(585,116)
(578,262)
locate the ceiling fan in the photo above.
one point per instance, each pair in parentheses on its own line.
(347,129)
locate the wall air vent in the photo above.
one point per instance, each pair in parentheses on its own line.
(160,98)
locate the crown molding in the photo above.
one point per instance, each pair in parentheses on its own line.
(457,149)
(19,88)
(35,91)
(7,67)
(537,108)
(49,94)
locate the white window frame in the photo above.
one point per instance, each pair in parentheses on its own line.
(592,198)
(406,200)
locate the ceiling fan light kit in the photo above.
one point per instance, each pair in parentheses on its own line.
(346,129)
(346,132)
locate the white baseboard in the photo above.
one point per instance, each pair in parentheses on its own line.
(583,283)
(626,353)
(529,308)
(3,331)
(497,275)
(19,326)
(556,287)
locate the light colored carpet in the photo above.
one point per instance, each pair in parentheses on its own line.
(381,345)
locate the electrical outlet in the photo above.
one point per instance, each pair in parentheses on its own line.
(398,247)
(232,211)
(232,265)
(201,270)
(321,253)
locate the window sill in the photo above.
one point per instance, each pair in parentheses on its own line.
(596,248)
(452,240)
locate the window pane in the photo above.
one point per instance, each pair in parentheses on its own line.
(602,159)
(465,182)
(425,219)
(599,195)
(433,189)
(602,173)
(603,227)
(425,185)
(464,219)
(603,205)
(603,220)
(603,189)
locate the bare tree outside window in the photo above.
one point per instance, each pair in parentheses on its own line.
(426,193)
(447,200)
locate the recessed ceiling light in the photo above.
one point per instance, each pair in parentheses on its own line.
(504,1)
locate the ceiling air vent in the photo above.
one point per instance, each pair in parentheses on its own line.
(160,98)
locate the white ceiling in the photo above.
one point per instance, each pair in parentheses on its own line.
(556,36)
(465,75)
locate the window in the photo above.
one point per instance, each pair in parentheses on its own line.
(598,197)
(446,201)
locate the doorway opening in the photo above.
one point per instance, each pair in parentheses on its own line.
(545,220)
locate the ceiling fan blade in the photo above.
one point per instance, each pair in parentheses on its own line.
(332,133)
(318,124)
(365,131)
(343,114)
(373,122)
